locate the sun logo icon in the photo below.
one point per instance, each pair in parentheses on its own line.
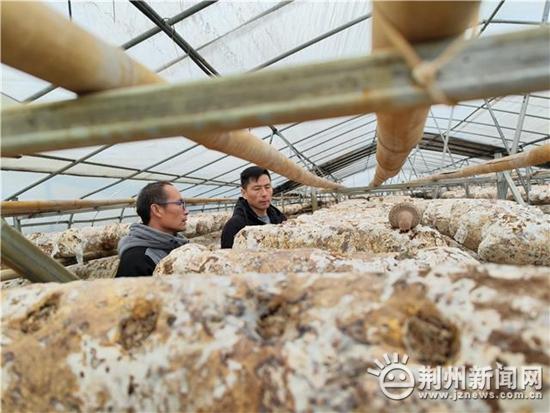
(394,377)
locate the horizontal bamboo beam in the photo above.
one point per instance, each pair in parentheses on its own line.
(39,165)
(95,170)
(532,157)
(26,259)
(39,41)
(17,208)
(405,186)
(498,65)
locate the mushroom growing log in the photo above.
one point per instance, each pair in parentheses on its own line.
(263,342)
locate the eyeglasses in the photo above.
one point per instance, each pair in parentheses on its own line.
(180,202)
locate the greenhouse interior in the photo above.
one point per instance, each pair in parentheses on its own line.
(287,206)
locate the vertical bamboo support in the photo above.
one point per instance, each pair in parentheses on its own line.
(314,203)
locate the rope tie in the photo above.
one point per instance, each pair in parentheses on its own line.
(424,72)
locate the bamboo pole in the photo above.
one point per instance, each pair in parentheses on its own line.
(90,269)
(16,208)
(26,259)
(8,274)
(398,132)
(39,41)
(531,157)
(504,64)
(424,184)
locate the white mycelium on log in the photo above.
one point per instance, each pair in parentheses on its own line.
(78,242)
(255,342)
(538,194)
(211,241)
(351,226)
(81,242)
(99,268)
(196,259)
(500,231)
(205,223)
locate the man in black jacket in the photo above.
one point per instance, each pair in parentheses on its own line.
(254,207)
(163,213)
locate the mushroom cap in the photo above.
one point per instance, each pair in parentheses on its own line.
(401,214)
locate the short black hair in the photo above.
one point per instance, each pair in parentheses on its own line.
(253,173)
(150,194)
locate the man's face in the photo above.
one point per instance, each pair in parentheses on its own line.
(258,193)
(172,217)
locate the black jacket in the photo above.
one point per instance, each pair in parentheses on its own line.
(135,263)
(243,216)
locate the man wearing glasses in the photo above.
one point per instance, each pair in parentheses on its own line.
(163,215)
(254,207)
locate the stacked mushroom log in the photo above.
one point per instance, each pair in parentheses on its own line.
(94,249)
(93,269)
(293,209)
(475,193)
(14,283)
(538,194)
(92,242)
(81,243)
(351,226)
(263,342)
(103,240)
(211,241)
(499,231)
(293,322)
(205,223)
(196,259)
